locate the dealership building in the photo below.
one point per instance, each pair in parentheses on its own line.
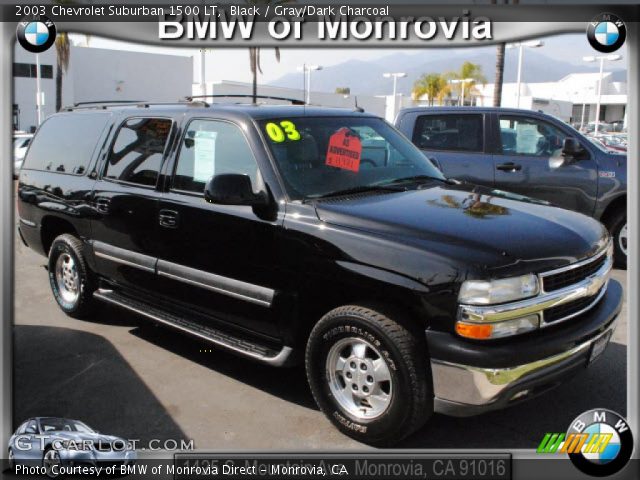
(112,75)
(95,74)
(573,98)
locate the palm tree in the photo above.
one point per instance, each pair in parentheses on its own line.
(433,85)
(63,54)
(471,71)
(254,64)
(254,52)
(497,88)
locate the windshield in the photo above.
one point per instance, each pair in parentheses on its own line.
(63,425)
(319,156)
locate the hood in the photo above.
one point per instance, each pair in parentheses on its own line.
(476,225)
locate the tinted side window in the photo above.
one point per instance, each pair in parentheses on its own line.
(529,136)
(209,148)
(136,155)
(65,143)
(463,133)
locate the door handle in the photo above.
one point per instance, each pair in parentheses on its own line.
(509,167)
(102,204)
(168,218)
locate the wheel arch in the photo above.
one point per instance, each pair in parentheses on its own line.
(53,226)
(615,205)
(377,289)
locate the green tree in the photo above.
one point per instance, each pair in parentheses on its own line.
(471,71)
(434,85)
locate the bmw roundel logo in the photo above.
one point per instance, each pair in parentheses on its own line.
(605,442)
(606,32)
(36,35)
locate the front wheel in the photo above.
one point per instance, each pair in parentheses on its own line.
(618,228)
(369,375)
(51,463)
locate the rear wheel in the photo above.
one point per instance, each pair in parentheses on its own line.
(618,227)
(72,283)
(369,375)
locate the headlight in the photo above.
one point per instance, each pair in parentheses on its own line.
(483,292)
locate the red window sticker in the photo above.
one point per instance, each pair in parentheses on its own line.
(344,150)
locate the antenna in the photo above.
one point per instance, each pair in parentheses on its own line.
(357,109)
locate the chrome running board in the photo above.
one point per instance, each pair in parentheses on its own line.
(234,344)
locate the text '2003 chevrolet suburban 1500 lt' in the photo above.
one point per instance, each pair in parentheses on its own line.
(302,234)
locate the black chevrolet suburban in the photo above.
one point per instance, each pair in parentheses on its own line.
(270,231)
(529,153)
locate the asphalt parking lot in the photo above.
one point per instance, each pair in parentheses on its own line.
(125,377)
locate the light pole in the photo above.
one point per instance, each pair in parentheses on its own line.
(521,45)
(462,82)
(601,58)
(306,71)
(395,76)
(38,91)
(203,83)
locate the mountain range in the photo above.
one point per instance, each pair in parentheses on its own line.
(366,77)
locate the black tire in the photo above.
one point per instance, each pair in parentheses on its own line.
(83,305)
(404,352)
(616,224)
(12,461)
(55,457)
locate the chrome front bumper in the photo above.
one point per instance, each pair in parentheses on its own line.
(463,390)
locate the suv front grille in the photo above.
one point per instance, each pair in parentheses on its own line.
(571,309)
(572,276)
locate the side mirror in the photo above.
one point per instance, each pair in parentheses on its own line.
(434,161)
(571,148)
(233,189)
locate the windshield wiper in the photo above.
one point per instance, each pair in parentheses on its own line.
(411,179)
(361,189)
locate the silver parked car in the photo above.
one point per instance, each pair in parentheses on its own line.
(49,441)
(21,143)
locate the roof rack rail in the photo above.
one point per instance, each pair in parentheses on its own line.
(126,103)
(98,102)
(294,101)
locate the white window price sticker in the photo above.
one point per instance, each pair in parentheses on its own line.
(527,138)
(204,162)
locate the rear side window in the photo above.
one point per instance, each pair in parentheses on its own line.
(458,133)
(66,143)
(137,152)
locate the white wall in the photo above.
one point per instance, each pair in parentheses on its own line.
(25,88)
(378,105)
(101,74)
